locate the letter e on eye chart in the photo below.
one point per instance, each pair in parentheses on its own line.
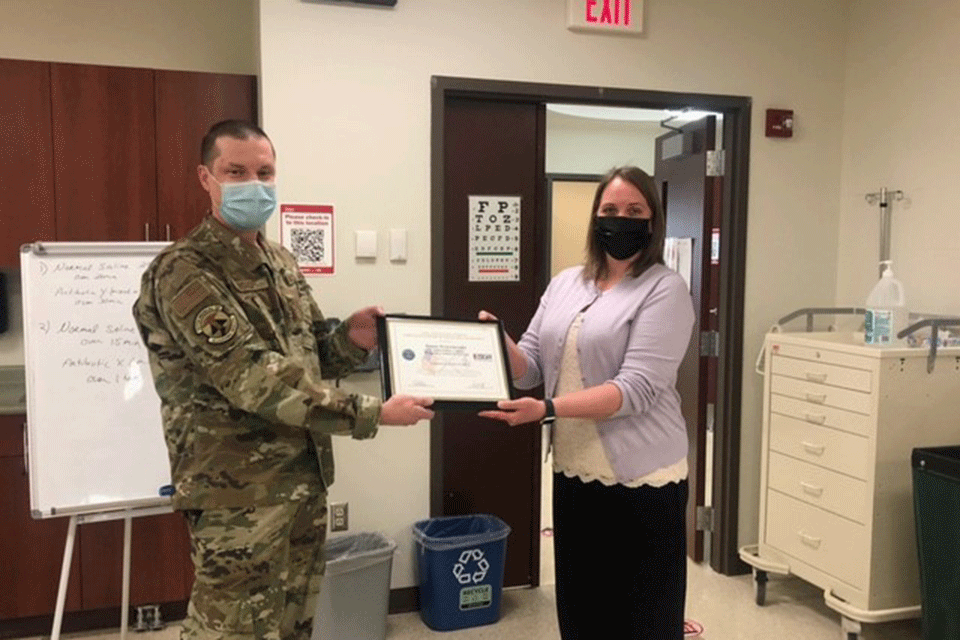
(494,247)
(306,230)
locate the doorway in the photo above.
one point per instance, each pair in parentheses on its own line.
(452,445)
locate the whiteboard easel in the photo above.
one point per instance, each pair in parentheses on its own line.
(128,515)
(95,449)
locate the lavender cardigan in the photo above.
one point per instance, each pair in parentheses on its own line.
(633,335)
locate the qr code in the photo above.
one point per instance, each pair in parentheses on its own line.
(308,245)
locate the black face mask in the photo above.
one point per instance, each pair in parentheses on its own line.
(620,237)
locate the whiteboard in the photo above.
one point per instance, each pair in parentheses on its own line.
(94,435)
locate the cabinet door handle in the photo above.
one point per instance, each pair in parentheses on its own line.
(816,377)
(815,449)
(816,398)
(811,489)
(811,541)
(168,233)
(815,418)
(146,231)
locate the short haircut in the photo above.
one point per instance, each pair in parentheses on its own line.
(596,260)
(237,129)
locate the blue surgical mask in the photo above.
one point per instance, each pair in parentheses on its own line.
(247,205)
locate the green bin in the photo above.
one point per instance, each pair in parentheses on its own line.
(936,502)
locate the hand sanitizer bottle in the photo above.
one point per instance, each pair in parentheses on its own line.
(886,311)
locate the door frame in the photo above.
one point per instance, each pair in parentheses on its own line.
(736,112)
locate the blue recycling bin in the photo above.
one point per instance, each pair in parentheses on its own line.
(460,561)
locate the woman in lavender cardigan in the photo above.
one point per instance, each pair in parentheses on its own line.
(606,342)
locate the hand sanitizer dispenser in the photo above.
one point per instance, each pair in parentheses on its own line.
(886,311)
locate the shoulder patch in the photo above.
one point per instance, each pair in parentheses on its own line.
(188,298)
(215,324)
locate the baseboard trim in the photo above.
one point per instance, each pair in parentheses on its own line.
(405,600)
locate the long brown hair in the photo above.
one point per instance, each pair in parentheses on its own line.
(595,265)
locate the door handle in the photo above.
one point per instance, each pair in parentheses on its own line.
(168,232)
(815,449)
(811,489)
(816,377)
(146,231)
(811,541)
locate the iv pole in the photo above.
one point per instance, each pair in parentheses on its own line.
(883,198)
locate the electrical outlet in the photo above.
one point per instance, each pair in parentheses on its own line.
(338,516)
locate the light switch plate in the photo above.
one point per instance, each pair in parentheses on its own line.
(398,245)
(366,244)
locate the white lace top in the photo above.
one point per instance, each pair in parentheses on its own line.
(577,449)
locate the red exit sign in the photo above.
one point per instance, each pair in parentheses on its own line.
(611,16)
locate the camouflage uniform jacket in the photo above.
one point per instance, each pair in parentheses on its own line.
(238,349)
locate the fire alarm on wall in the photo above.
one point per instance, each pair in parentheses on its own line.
(779,123)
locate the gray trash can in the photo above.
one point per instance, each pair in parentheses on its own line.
(355,592)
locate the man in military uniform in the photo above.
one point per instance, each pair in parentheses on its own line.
(238,351)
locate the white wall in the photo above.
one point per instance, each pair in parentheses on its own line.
(901,132)
(591,146)
(213,35)
(346,98)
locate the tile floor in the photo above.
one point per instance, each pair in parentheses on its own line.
(723,605)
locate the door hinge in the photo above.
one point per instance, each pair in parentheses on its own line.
(715,163)
(704,518)
(710,344)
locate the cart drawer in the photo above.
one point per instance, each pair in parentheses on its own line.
(820,373)
(819,394)
(822,355)
(829,490)
(828,448)
(826,541)
(823,415)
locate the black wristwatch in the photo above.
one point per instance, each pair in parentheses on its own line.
(549,414)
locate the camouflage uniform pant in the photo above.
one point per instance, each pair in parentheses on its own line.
(257,571)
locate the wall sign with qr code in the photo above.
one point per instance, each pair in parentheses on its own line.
(306,230)
(494,247)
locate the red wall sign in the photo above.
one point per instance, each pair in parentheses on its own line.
(612,16)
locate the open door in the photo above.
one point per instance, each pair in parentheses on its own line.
(487,138)
(692,200)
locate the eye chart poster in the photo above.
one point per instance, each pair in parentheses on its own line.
(494,249)
(306,230)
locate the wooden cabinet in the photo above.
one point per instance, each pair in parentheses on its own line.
(187,104)
(100,153)
(104,152)
(160,567)
(31,551)
(840,421)
(26,158)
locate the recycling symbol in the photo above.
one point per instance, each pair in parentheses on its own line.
(462,570)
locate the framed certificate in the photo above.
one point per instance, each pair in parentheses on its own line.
(461,364)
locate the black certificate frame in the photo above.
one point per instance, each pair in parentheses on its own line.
(388,353)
